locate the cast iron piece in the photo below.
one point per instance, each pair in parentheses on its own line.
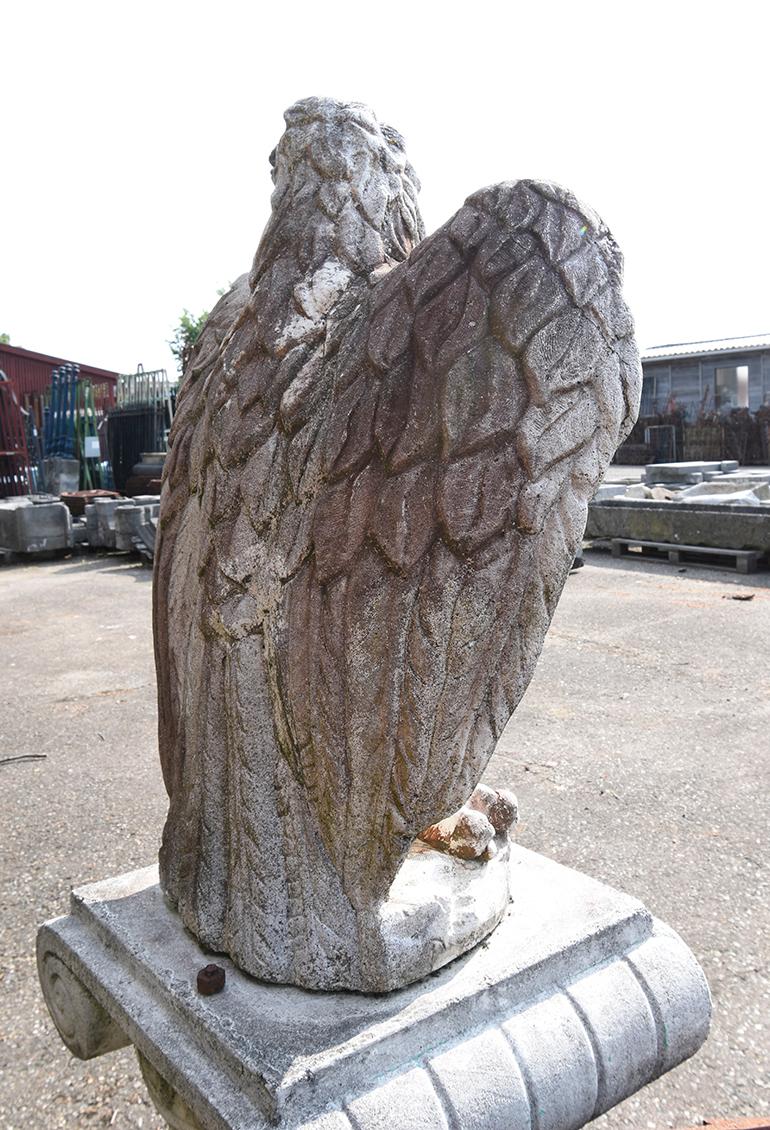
(211,979)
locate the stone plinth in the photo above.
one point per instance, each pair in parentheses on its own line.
(681,472)
(576,1000)
(688,523)
(34,527)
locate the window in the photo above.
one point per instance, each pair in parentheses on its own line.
(732,388)
(685,387)
(648,394)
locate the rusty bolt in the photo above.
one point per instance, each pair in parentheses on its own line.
(211,979)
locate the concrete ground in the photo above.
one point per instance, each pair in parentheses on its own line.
(639,755)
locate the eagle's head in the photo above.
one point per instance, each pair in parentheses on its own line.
(347,175)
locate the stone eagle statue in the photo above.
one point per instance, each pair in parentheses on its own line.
(377,480)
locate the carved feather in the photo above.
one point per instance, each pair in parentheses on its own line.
(376,486)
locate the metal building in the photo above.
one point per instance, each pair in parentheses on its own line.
(30,374)
(704,400)
(703,377)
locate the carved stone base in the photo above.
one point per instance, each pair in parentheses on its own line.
(169,1104)
(438,907)
(577,999)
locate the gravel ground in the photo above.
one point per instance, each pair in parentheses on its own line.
(640,755)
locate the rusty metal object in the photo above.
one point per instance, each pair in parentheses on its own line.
(15,470)
(211,979)
(76,501)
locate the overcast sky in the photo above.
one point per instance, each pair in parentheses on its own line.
(134,142)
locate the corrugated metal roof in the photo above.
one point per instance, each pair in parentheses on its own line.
(50,362)
(30,373)
(698,348)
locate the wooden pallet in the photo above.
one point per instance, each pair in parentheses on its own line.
(743,560)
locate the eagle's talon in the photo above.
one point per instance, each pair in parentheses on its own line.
(470,832)
(499,805)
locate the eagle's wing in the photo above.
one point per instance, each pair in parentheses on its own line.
(476,403)
(366,525)
(179,486)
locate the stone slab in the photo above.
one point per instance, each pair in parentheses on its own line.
(26,527)
(576,1000)
(615,490)
(685,472)
(104,511)
(691,523)
(129,518)
(727,489)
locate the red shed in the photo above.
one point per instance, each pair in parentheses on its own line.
(31,376)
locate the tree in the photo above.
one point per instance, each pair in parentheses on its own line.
(185,336)
(5,339)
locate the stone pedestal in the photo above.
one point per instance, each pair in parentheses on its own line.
(61,475)
(576,1000)
(34,527)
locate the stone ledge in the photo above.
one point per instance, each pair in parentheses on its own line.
(578,999)
(691,523)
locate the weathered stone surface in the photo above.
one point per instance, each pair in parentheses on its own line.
(31,527)
(618,490)
(726,493)
(168,1102)
(578,999)
(729,489)
(105,510)
(499,805)
(688,523)
(86,1028)
(129,517)
(471,835)
(682,472)
(748,476)
(380,465)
